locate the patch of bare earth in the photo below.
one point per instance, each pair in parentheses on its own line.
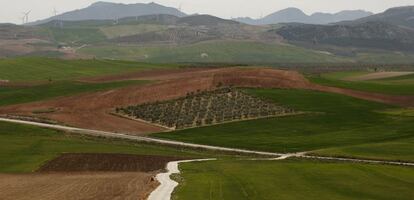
(87,176)
(99,186)
(379,75)
(93,110)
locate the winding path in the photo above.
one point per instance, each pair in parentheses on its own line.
(277,156)
(167,185)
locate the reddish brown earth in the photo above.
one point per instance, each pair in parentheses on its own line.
(92,110)
(87,176)
(75,186)
(90,162)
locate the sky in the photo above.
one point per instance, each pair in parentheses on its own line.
(11,10)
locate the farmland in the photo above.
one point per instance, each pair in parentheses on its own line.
(46,69)
(400,85)
(332,123)
(26,148)
(293,179)
(16,95)
(337,122)
(232,51)
(205,108)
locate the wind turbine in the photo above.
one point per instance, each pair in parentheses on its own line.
(180,7)
(55,12)
(26,16)
(23,19)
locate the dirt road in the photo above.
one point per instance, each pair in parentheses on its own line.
(167,185)
(199,146)
(93,110)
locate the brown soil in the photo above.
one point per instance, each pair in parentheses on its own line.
(74,186)
(87,176)
(106,162)
(378,75)
(93,110)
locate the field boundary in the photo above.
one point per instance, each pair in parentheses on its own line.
(278,156)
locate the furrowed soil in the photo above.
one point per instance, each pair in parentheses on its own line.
(64,186)
(87,176)
(106,162)
(93,110)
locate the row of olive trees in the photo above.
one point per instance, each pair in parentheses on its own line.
(205,108)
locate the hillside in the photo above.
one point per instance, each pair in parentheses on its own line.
(113,11)
(290,15)
(402,16)
(377,35)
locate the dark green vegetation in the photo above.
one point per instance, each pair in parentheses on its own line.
(24,148)
(16,95)
(342,122)
(294,179)
(205,108)
(404,85)
(45,69)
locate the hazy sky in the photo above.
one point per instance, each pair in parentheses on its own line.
(11,10)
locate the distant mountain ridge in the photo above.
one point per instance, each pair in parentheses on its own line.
(402,16)
(390,30)
(290,15)
(113,11)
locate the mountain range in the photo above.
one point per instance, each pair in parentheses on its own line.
(113,11)
(402,16)
(290,15)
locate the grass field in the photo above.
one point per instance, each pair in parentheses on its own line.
(403,85)
(16,95)
(293,180)
(406,79)
(24,148)
(127,30)
(43,69)
(76,36)
(341,121)
(217,51)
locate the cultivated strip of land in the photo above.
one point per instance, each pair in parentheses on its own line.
(198,146)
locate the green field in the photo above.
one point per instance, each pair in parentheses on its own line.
(339,121)
(76,36)
(403,85)
(128,30)
(43,69)
(16,95)
(24,148)
(293,180)
(217,51)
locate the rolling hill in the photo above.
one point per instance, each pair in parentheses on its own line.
(391,30)
(290,15)
(401,16)
(113,11)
